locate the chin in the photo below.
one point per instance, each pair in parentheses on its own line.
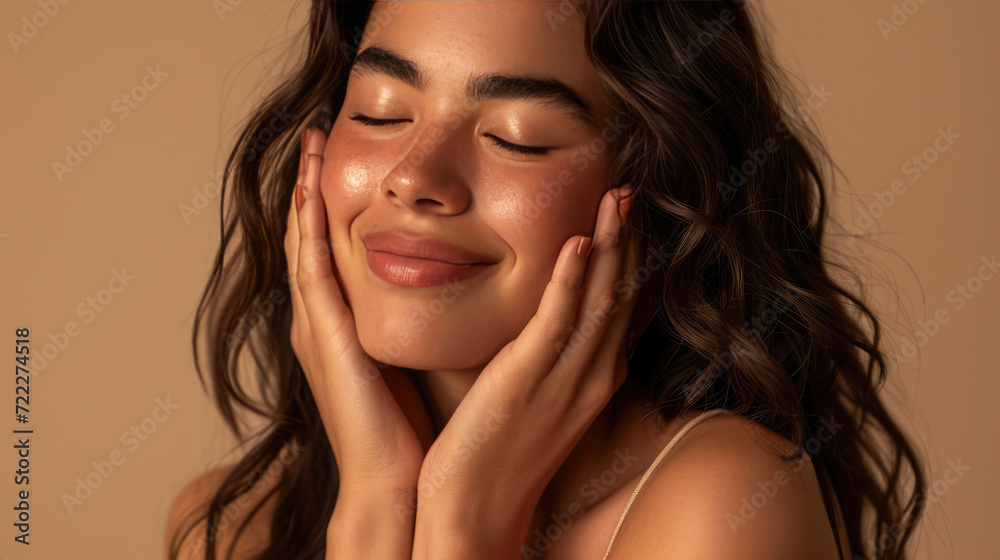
(435,347)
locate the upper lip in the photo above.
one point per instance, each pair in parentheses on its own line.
(410,244)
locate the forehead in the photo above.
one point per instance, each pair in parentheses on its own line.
(453,40)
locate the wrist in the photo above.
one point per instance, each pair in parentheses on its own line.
(376,504)
(453,529)
(371,525)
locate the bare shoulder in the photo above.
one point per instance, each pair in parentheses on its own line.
(191,504)
(724,492)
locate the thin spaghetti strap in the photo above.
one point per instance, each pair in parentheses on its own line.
(687,427)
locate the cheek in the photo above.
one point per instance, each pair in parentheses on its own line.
(535,213)
(343,198)
(347,170)
(353,178)
(536,209)
(350,177)
(346,184)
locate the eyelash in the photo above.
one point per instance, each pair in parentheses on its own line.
(516,148)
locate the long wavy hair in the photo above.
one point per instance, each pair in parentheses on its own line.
(731,184)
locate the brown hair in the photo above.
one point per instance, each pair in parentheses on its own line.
(731,186)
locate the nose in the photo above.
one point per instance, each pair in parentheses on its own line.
(430,177)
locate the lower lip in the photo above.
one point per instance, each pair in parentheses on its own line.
(412,272)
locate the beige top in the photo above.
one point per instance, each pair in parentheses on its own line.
(687,427)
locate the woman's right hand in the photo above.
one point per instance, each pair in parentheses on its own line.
(377,450)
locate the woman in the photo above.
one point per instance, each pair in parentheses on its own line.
(546,280)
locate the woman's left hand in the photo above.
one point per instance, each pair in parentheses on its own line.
(482,478)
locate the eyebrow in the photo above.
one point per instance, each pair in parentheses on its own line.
(550,91)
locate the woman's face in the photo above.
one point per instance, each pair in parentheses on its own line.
(448,167)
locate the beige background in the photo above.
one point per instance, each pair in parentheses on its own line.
(61,241)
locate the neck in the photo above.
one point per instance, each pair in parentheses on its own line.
(443,391)
(614,430)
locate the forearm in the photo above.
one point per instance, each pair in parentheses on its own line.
(371,526)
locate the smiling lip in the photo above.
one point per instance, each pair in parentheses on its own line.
(410,260)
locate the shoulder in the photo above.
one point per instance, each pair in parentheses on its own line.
(191,504)
(724,492)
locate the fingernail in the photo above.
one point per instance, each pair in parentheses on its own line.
(314,144)
(583,247)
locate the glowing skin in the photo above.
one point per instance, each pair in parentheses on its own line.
(443,167)
(441,172)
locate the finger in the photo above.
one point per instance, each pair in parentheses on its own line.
(316,281)
(546,332)
(292,235)
(599,301)
(613,342)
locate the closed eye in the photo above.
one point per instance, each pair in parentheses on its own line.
(509,146)
(517,148)
(368,121)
